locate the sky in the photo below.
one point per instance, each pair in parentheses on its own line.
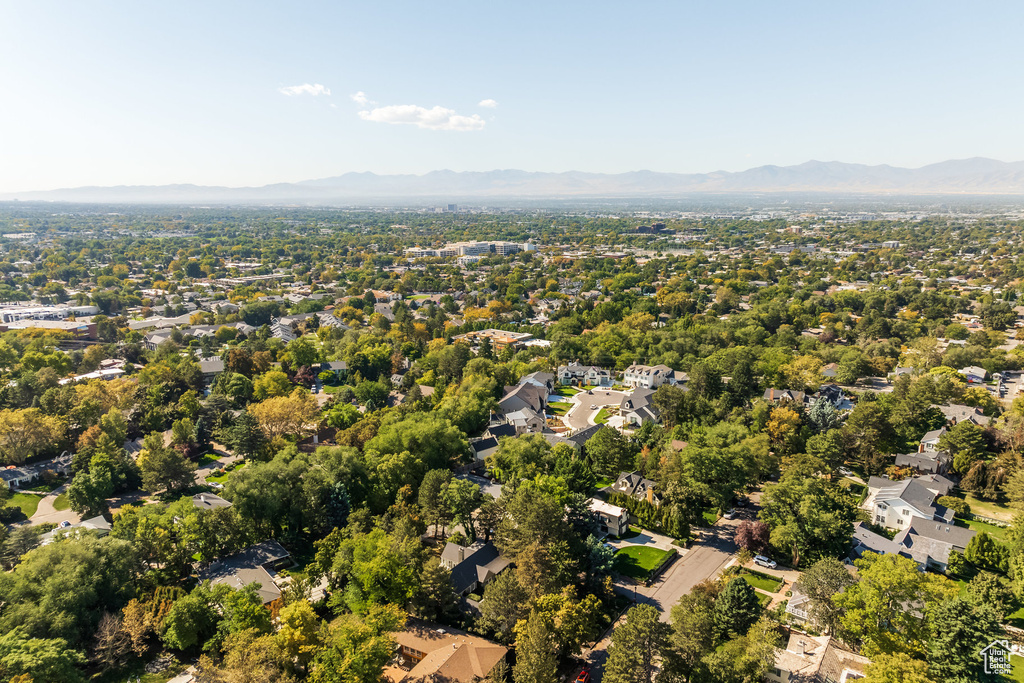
(250,93)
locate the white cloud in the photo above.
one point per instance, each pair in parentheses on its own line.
(490,104)
(437,118)
(361,99)
(314,89)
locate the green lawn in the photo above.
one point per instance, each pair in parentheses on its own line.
(987,508)
(215,479)
(26,501)
(710,516)
(61,503)
(601,482)
(767,583)
(996,532)
(559,408)
(632,532)
(207,459)
(46,488)
(1016,619)
(763,599)
(1018,669)
(637,561)
(602,417)
(567,391)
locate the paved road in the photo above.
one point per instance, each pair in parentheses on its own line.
(580,416)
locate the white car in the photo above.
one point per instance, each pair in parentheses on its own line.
(593,407)
(729,514)
(765,561)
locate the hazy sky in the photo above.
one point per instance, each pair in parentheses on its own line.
(248,93)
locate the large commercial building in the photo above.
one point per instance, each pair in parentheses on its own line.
(472,249)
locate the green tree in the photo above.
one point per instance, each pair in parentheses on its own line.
(694,632)
(822,581)
(164,468)
(959,632)
(505,602)
(809,516)
(898,667)
(536,645)
(611,452)
(636,646)
(38,659)
(358,648)
(192,620)
(965,441)
(737,608)
(522,457)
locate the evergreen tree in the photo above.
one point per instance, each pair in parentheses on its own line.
(737,607)
(636,646)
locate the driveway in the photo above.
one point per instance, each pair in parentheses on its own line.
(485,484)
(46,512)
(581,416)
(647,538)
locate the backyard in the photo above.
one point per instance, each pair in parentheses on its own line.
(221,478)
(637,562)
(988,508)
(768,584)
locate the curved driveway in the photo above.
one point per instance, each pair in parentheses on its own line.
(580,416)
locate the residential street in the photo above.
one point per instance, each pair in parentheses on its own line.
(580,416)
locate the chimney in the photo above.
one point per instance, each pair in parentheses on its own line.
(802,644)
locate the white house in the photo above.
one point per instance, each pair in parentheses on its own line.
(930,441)
(614,519)
(585,375)
(893,504)
(651,376)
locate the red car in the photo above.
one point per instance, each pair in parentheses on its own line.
(584,677)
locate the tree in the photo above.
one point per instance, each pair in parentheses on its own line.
(636,646)
(694,633)
(299,633)
(965,441)
(959,632)
(536,661)
(463,498)
(304,352)
(983,551)
(873,609)
(737,608)
(898,667)
(753,535)
(372,394)
(745,659)
(271,384)
(610,451)
(574,621)
(822,581)
(26,432)
(504,603)
(192,620)
(247,437)
(357,649)
(808,516)
(164,468)
(523,457)
(988,589)
(61,590)
(291,415)
(38,659)
(436,597)
(112,643)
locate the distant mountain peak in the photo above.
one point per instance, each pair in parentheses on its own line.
(973,176)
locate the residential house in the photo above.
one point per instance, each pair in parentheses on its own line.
(209,501)
(16,477)
(613,519)
(255,564)
(430,653)
(99,525)
(930,441)
(338,367)
(584,375)
(929,542)
(543,380)
(934,462)
(636,485)
(974,374)
(895,503)
(472,566)
(832,393)
(831,371)
(816,659)
(211,367)
(637,409)
(528,395)
(526,421)
(954,413)
(785,396)
(651,376)
(867,541)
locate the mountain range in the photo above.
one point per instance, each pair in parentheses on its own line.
(977,176)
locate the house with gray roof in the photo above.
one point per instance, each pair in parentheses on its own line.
(209,501)
(636,485)
(929,542)
(637,409)
(472,566)
(523,396)
(955,412)
(928,462)
(256,564)
(897,502)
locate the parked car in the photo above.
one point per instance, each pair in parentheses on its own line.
(729,514)
(742,502)
(584,677)
(765,561)
(593,407)
(65,524)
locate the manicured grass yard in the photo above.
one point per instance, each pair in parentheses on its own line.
(765,582)
(601,482)
(987,508)
(26,501)
(567,391)
(559,408)
(46,488)
(996,532)
(60,503)
(763,599)
(710,516)
(602,417)
(214,479)
(1016,619)
(637,561)
(207,459)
